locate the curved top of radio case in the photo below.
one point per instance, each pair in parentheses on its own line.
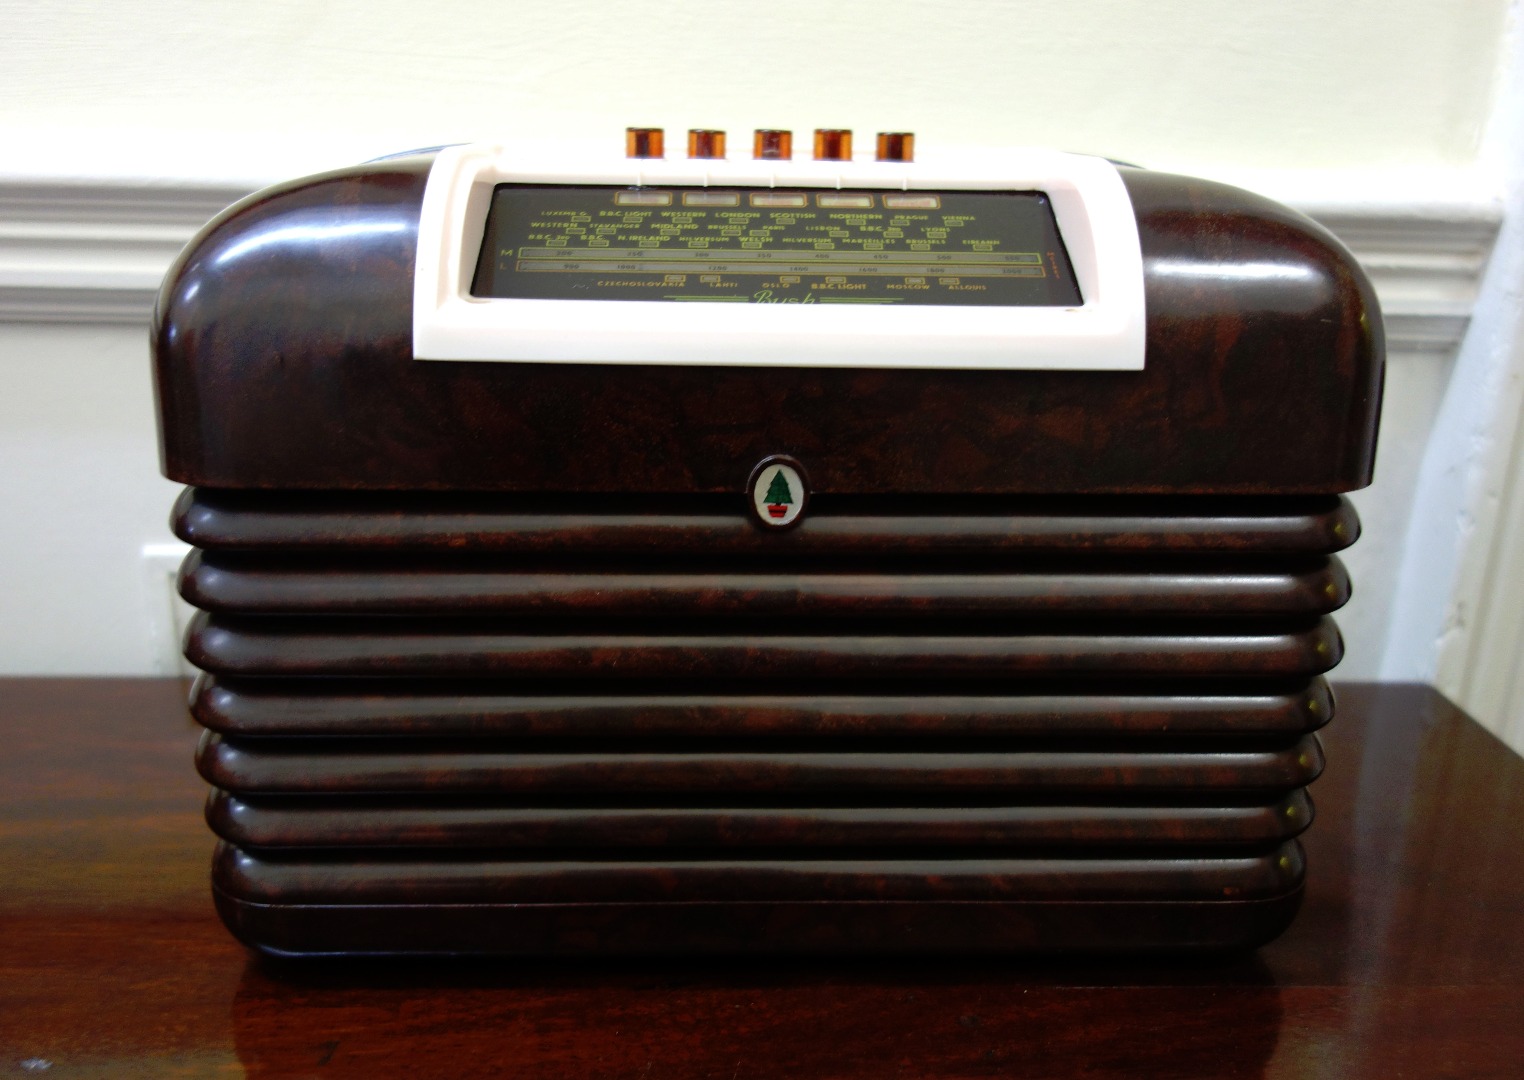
(286,348)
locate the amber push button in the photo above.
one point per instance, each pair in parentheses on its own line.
(833,144)
(772,144)
(896,146)
(644,143)
(704,143)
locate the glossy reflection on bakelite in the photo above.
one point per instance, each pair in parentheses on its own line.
(896,146)
(833,144)
(644,142)
(770,144)
(706,143)
(1288,296)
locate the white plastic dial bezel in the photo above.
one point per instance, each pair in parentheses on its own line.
(1094,214)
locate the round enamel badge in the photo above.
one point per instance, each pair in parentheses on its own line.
(778,492)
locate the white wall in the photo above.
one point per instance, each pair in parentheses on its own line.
(1183,83)
(1459,619)
(1374,114)
(81,496)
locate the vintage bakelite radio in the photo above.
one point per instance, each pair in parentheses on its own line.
(762,554)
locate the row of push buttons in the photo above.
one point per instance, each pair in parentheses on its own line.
(831,144)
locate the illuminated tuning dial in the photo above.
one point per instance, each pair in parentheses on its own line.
(833,144)
(896,146)
(703,143)
(769,144)
(645,142)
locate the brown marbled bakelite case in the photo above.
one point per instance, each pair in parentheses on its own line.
(295,904)
(497,661)
(391,767)
(454,708)
(302,878)
(282,342)
(656,826)
(353,523)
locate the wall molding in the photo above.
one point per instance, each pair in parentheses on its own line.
(94,252)
(77,252)
(1427,267)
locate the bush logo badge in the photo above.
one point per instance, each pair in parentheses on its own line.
(778,492)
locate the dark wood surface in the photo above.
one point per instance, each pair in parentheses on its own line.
(1406,961)
(292,312)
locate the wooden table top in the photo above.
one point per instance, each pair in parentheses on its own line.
(1407,958)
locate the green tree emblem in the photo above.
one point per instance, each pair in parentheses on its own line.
(778,493)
